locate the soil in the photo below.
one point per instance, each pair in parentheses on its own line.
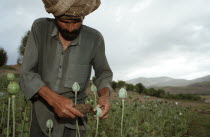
(5,71)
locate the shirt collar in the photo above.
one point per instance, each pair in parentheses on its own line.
(74,42)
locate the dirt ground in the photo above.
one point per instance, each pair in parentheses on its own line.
(5,71)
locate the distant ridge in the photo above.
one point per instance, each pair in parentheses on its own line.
(202,88)
(166,81)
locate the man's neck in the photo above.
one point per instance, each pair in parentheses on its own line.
(64,42)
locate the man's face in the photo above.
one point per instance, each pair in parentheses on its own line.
(69,29)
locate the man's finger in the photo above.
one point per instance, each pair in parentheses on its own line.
(103,114)
(106,116)
(69,114)
(105,111)
(76,112)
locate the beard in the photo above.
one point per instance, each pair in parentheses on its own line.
(67,35)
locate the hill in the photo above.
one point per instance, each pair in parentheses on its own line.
(166,81)
(202,88)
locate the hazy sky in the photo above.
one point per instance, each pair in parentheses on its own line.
(144,38)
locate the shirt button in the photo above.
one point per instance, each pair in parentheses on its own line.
(62,53)
(60,66)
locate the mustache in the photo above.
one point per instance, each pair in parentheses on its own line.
(67,35)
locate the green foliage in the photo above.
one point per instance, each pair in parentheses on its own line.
(140,88)
(22,47)
(3,83)
(200,125)
(184,97)
(121,84)
(3,57)
(151,119)
(155,92)
(129,86)
(114,85)
(136,89)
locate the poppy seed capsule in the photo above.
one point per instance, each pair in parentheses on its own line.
(13,88)
(10,76)
(75,87)
(49,124)
(122,93)
(98,112)
(113,109)
(93,88)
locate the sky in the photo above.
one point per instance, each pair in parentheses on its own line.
(143,38)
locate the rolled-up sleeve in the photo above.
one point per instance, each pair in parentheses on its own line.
(30,80)
(103,72)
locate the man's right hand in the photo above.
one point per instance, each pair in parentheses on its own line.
(63,106)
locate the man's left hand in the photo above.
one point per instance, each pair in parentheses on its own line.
(104,103)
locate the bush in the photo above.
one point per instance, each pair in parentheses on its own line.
(184,97)
(129,86)
(121,84)
(114,85)
(3,83)
(3,57)
(21,49)
(141,88)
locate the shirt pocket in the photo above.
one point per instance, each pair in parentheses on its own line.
(77,73)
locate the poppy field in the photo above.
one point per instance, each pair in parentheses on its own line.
(151,118)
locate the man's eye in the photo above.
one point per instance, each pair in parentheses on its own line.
(74,22)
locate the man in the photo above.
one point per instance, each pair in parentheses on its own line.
(58,53)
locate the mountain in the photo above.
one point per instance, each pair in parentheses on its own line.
(196,88)
(166,81)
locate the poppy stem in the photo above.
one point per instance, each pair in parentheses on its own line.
(13,113)
(123,107)
(8,116)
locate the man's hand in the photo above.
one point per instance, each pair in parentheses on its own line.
(63,106)
(104,102)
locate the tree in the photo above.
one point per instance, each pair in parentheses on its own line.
(120,84)
(151,91)
(136,89)
(129,86)
(3,57)
(160,93)
(140,88)
(114,85)
(21,49)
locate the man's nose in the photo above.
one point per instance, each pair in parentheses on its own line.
(70,27)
